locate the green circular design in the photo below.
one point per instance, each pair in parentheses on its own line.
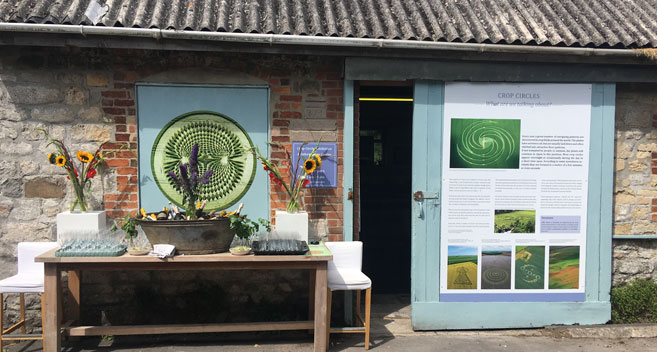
(223,147)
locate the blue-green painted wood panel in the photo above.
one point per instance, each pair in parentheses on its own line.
(158,104)
(419,249)
(428,313)
(348,161)
(476,315)
(608,115)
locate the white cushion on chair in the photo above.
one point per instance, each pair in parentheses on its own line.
(344,271)
(22,283)
(30,274)
(348,279)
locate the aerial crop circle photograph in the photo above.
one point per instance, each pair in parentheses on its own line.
(461,268)
(515,221)
(496,267)
(530,267)
(485,144)
(564,267)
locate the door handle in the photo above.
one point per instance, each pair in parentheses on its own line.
(420,196)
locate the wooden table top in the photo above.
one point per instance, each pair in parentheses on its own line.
(316,253)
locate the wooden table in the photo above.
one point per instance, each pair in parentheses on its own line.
(315,261)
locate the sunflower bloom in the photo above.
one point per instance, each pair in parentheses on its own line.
(84,156)
(60,160)
(142,212)
(309,165)
(51,158)
(319,160)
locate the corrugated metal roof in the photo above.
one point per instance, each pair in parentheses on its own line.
(590,23)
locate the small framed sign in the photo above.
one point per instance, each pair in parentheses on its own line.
(327,175)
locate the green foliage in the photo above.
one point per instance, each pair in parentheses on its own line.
(635,302)
(128,225)
(245,227)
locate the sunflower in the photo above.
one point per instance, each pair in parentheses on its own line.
(319,160)
(51,158)
(60,160)
(84,156)
(309,165)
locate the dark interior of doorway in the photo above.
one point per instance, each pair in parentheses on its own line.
(385,186)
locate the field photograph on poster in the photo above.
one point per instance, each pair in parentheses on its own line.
(461,268)
(515,221)
(564,267)
(496,267)
(530,267)
(485,144)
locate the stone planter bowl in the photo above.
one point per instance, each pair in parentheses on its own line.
(190,236)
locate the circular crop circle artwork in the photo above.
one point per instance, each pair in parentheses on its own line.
(485,143)
(223,147)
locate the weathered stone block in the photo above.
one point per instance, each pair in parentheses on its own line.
(313,136)
(44,187)
(637,165)
(620,164)
(622,212)
(647,147)
(623,229)
(75,96)
(52,114)
(91,132)
(10,113)
(641,213)
(93,113)
(9,129)
(25,210)
(97,79)
(313,125)
(641,228)
(34,95)
(21,148)
(28,167)
(623,150)
(30,131)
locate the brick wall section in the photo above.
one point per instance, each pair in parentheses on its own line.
(119,105)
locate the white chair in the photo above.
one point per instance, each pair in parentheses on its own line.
(344,274)
(28,280)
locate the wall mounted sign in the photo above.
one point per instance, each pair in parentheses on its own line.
(327,175)
(514,192)
(223,146)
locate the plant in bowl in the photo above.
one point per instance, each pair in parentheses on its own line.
(190,228)
(128,225)
(245,229)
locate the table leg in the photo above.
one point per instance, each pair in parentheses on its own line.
(74,299)
(311,295)
(321,287)
(51,287)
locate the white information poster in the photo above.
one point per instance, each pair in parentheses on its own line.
(514,192)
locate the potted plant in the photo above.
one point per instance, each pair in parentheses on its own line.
(80,173)
(293,219)
(129,225)
(193,230)
(245,229)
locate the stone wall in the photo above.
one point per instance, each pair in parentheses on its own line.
(635,192)
(87,96)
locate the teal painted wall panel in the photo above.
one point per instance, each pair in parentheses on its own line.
(158,104)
